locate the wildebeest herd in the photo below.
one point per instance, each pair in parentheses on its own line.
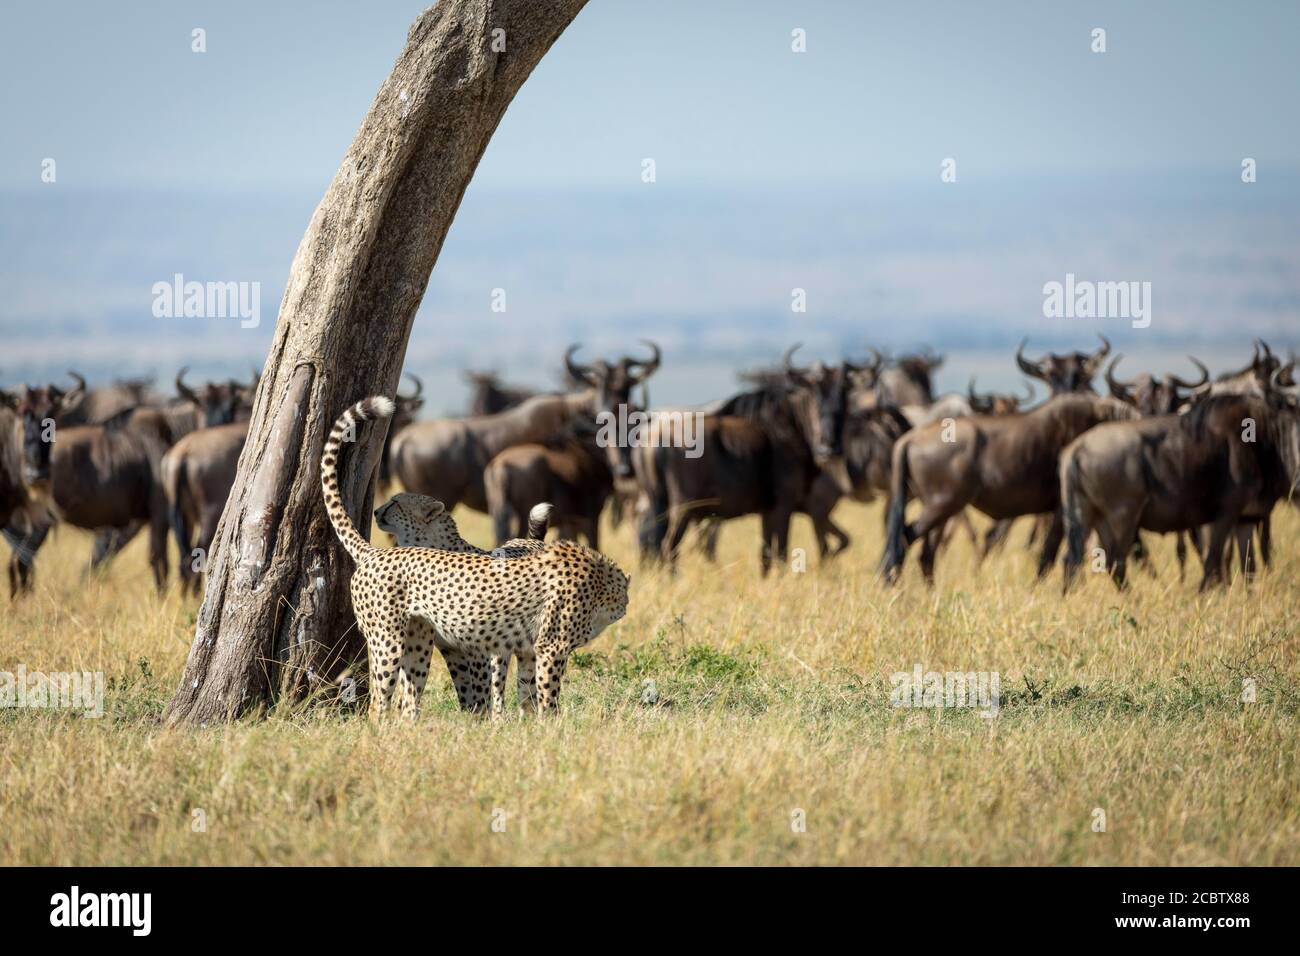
(1204,459)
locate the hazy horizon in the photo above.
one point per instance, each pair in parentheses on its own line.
(775,171)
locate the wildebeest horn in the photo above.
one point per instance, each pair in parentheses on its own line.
(581,372)
(419,387)
(183,390)
(81,382)
(1032,369)
(1094,362)
(787,362)
(976,402)
(1029,395)
(877,362)
(1286,371)
(1268,353)
(1118,388)
(648,368)
(1205,377)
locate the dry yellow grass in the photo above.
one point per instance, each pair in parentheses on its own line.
(772,707)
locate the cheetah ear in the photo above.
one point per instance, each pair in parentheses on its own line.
(435,508)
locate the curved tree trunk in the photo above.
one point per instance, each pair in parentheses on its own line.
(276,622)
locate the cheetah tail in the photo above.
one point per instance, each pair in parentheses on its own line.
(539,519)
(367,409)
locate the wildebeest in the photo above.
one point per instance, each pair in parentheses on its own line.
(213,404)
(1156,396)
(446,458)
(197,475)
(13,490)
(1064,372)
(100,404)
(869,437)
(1005,466)
(760,454)
(1151,395)
(1254,378)
(103,477)
(1223,463)
(908,380)
(407,406)
(490,396)
(997,403)
(570,470)
(217,403)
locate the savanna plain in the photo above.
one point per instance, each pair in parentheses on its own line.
(726,720)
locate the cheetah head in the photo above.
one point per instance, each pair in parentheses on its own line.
(417,521)
(611,603)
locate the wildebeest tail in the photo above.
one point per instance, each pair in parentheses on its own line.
(173,481)
(896,522)
(368,409)
(1075,529)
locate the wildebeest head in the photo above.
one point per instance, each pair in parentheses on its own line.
(1064,371)
(489,395)
(912,378)
(613,384)
(1259,371)
(407,406)
(828,388)
(997,403)
(37,409)
(1151,395)
(218,403)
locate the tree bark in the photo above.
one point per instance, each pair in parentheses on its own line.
(276,622)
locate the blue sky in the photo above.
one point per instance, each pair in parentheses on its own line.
(774,169)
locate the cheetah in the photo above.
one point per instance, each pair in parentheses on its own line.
(538,607)
(419,521)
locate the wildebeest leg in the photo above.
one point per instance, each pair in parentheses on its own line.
(995,537)
(769,542)
(1214,548)
(930,547)
(1266,540)
(1142,555)
(776,537)
(109,543)
(934,515)
(592,531)
(1245,534)
(709,539)
(679,520)
(1180,551)
(158,543)
(22,563)
(1051,543)
(842,539)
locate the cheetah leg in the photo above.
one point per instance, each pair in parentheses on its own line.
(459,666)
(383,649)
(479,668)
(552,656)
(413,670)
(556,637)
(498,671)
(526,681)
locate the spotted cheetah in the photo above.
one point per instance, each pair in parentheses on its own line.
(420,521)
(539,607)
